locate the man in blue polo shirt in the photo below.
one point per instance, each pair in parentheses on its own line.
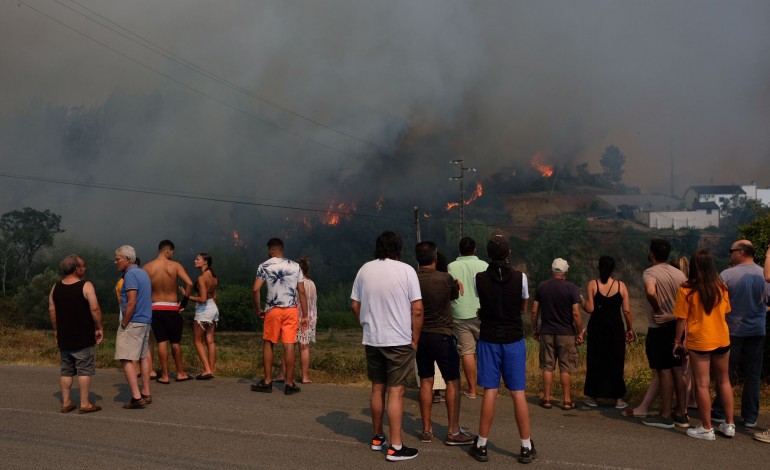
(132,343)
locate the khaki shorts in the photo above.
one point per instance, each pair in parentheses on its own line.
(561,347)
(467,334)
(133,343)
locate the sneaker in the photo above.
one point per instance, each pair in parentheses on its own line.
(378,442)
(763,436)
(404,453)
(134,404)
(426,436)
(478,453)
(659,422)
(291,389)
(459,439)
(727,430)
(700,433)
(527,455)
(681,421)
(749,424)
(262,387)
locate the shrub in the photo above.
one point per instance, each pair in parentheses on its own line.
(31,301)
(236,309)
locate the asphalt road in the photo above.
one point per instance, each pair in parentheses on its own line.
(222,424)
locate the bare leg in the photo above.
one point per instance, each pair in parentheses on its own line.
(201,348)
(426,402)
(304,359)
(469,366)
(151,354)
(133,383)
(666,391)
(146,366)
(176,351)
(521,413)
(700,365)
(163,359)
(395,413)
(377,407)
(653,390)
(267,360)
(288,356)
(547,384)
(66,389)
(722,377)
(566,386)
(487,412)
(453,405)
(681,390)
(212,347)
(84,383)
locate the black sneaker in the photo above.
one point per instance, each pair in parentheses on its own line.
(262,387)
(527,455)
(478,453)
(378,442)
(404,453)
(291,389)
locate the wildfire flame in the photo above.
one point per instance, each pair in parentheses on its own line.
(378,204)
(451,205)
(426,215)
(476,194)
(237,241)
(538,164)
(338,211)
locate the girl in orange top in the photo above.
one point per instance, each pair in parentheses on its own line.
(702,303)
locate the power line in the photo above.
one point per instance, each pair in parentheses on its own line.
(184,85)
(160,50)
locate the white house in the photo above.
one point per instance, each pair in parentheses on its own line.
(717,194)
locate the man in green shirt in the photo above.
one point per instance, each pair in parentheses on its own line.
(465,308)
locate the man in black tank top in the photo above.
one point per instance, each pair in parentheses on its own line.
(77,326)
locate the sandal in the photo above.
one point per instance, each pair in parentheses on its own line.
(568,405)
(545,404)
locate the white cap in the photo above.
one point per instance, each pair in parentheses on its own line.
(559,266)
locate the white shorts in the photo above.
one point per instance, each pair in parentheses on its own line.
(207,313)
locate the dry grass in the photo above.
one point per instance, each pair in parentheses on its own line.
(336,357)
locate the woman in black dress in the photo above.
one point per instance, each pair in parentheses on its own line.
(607,303)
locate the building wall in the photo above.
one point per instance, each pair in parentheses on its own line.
(679,219)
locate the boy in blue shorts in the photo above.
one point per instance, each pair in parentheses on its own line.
(503,294)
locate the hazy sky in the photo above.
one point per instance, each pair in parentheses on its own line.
(360,86)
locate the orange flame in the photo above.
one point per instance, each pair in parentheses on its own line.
(538,164)
(338,212)
(426,215)
(476,194)
(451,205)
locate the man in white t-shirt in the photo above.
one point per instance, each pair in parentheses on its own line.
(386,300)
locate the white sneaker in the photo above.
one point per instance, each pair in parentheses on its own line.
(705,434)
(750,424)
(728,430)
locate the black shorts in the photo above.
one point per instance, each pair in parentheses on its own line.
(443,350)
(167,326)
(713,352)
(660,347)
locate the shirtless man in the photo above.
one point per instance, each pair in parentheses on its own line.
(166,309)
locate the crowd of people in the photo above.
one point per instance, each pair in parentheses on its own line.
(701,325)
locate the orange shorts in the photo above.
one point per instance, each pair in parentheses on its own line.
(281,323)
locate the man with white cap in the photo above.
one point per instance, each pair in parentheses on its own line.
(557,303)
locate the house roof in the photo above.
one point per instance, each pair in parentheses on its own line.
(705,205)
(722,189)
(644,202)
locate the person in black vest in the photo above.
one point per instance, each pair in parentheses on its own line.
(501,350)
(77,327)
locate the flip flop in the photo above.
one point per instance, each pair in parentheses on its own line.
(90,409)
(185,379)
(545,404)
(204,376)
(68,408)
(164,382)
(592,403)
(568,405)
(468,395)
(305,382)
(621,406)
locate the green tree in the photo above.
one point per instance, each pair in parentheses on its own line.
(29,230)
(612,162)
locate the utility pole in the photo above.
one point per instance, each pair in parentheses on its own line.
(417,223)
(460,162)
